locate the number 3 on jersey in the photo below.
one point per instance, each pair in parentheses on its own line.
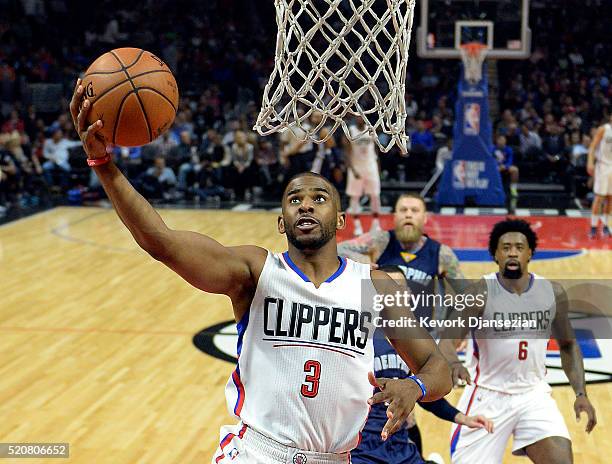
(522,353)
(310,388)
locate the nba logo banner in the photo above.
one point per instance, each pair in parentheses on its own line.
(471,119)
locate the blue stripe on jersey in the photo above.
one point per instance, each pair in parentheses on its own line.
(340,270)
(293,266)
(298,271)
(242,326)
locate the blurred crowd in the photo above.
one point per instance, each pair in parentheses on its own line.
(221,54)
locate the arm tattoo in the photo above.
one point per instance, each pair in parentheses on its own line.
(449,263)
(366,248)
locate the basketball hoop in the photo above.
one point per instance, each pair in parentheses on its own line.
(341,59)
(473,55)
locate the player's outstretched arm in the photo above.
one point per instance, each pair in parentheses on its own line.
(571,357)
(199,259)
(416,347)
(446,411)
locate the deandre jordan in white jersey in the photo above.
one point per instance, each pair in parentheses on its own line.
(506,361)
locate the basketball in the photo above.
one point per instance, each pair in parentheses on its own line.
(134,93)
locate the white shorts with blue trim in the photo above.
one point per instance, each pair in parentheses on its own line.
(528,417)
(241,444)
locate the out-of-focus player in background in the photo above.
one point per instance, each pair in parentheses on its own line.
(407,246)
(305,350)
(506,370)
(363,174)
(599,165)
(420,259)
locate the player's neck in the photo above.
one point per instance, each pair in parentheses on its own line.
(518,286)
(415,246)
(318,265)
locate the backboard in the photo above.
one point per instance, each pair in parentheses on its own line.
(501,25)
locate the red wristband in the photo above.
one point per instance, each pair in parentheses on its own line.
(98,161)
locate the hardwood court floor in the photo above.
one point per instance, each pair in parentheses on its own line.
(96,350)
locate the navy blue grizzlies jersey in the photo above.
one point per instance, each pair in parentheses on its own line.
(398,449)
(419,268)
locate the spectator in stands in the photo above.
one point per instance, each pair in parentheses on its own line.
(505,158)
(553,141)
(530,142)
(557,159)
(162,145)
(29,172)
(242,155)
(181,153)
(14,123)
(266,160)
(579,149)
(158,182)
(232,127)
(8,175)
(216,155)
(55,151)
(422,140)
(430,79)
(412,107)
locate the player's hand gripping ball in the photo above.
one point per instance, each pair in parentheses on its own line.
(133,93)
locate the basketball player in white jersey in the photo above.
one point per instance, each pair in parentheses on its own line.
(507,367)
(305,347)
(363,175)
(600,166)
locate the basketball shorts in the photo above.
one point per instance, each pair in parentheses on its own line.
(602,184)
(397,449)
(529,417)
(241,444)
(367,184)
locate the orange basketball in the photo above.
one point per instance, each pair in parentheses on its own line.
(134,93)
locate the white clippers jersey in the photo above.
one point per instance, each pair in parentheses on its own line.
(512,360)
(363,151)
(303,357)
(604,154)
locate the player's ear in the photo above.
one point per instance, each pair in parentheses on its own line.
(340,220)
(281,224)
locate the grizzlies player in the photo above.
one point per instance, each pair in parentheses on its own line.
(420,258)
(507,369)
(400,448)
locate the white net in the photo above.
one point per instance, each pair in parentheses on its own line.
(342,59)
(473,55)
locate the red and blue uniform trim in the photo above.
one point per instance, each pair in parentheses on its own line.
(241,326)
(455,437)
(227,439)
